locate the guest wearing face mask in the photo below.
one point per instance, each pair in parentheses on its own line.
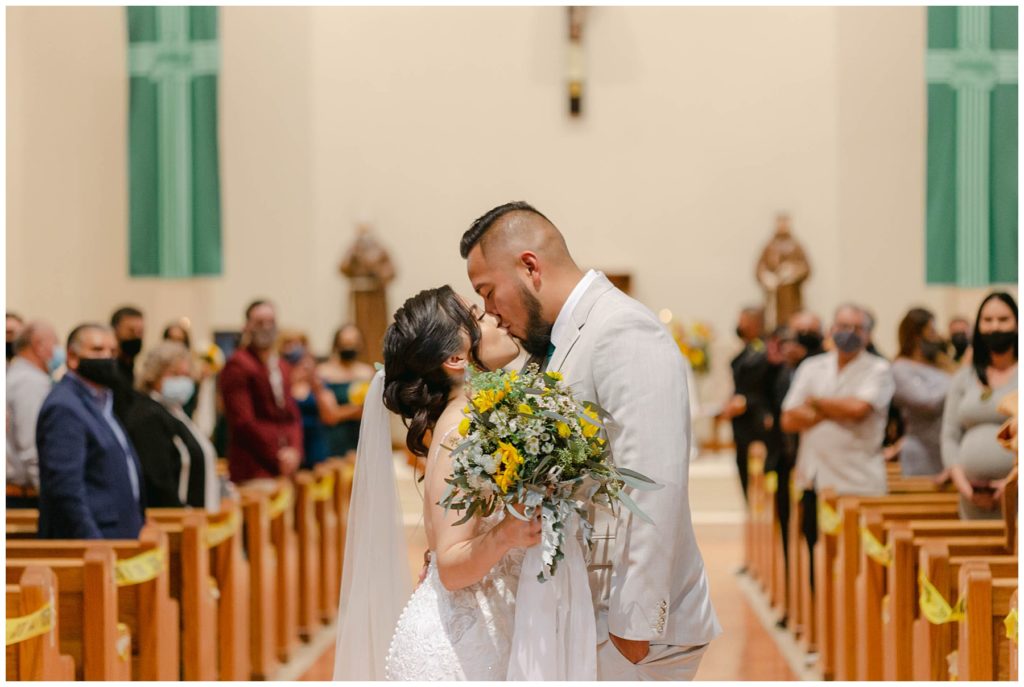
(347,379)
(976,461)
(959,337)
(264,425)
(129,327)
(922,373)
(90,480)
(838,403)
(306,389)
(28,384)
(179,464)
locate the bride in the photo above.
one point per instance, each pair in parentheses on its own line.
(458,625)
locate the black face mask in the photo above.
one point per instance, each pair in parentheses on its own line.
(102,371)
(931,350)
(1000,342)
(348,354)
(810,340)
(960,344)
(10,350)
(130,347)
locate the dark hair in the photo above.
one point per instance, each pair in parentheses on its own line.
(167,331)
(122,313)
(426,331)
(982,355)
(339,330)
(77,332)
(255,304)
(911,330)
(483,223)
(15,316)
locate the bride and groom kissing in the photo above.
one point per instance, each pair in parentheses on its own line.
(646,613)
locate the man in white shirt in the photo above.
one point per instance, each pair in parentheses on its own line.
(838,403)
(28,383)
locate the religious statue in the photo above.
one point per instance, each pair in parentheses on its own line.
(575,74)
(783,267)
(369,270)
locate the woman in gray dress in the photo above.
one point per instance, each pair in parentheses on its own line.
(922,372)
(977,463)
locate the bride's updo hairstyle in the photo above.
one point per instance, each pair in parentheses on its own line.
(426,332)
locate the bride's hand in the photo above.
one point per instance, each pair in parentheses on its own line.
(518,533)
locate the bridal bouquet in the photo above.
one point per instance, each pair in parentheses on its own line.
(527,441)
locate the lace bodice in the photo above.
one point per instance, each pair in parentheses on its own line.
(458,635)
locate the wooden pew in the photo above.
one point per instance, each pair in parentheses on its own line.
(308,535)
(195,591)
(221,544)
(326,515)
(984,649)
(1011,631)
(35,653)
(145,605)
(22,523)
(262,569)
(285,542)
(89,631)
(835,523)
(859,577)
(344,471)
(934,642)
(797,619)
(905,539)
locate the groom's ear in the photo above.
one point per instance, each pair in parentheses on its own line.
(531,265)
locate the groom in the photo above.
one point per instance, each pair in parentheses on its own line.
(654,616)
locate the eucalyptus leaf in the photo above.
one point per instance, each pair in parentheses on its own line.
(552,414)
(639,485)
(469,514)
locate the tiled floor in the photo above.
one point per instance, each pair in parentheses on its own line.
(745,650)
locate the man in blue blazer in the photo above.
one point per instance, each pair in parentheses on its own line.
(90,479)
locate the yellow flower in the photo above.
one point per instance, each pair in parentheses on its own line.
(464,426)
(357,395)
(557,376)
(697,357)
(487,399)
(505,480)
(509,378)
(525,409)
(508,455)
(589,428)
(563,430)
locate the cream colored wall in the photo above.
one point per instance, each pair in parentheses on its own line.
(699,124)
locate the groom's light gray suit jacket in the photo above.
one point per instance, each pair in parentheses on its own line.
(647,580)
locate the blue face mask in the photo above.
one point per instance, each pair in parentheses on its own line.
(178,389)
(294,355)
(847,341)
(59,358)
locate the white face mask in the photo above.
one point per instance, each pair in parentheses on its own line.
(178,389)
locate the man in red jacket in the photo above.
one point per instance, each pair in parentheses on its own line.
(264,425)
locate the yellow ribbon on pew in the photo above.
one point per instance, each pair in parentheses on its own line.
(828,519)
(124,642)
(214,589)
(324,489)
(282,502)
(875,550)
(771,482)
(36,623)
(1010,621)
(138,569)
(934,607)
(222,531)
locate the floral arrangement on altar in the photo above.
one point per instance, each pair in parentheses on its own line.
(694,343)
(528,443)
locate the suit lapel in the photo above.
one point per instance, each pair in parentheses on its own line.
(580,313)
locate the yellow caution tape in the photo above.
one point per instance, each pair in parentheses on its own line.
(124,642)
(886,613)
(953,665)
(1010,621)
(795,492)
(222,531)
(934,607)
(771,482)
(828,519)
(36,623)
(282,502)
(875,550)
(324,489)
(138,569)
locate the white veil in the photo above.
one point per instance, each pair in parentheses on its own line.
(375,584)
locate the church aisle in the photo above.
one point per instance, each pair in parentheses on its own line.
(745,650)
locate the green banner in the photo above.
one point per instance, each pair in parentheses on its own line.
(173,169)
(972,145)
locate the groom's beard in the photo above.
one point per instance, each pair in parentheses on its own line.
(538,332)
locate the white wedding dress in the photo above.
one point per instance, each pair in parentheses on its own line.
(464,634)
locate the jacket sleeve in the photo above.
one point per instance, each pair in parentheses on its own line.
(640,381)
(262,440)
(61,440)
